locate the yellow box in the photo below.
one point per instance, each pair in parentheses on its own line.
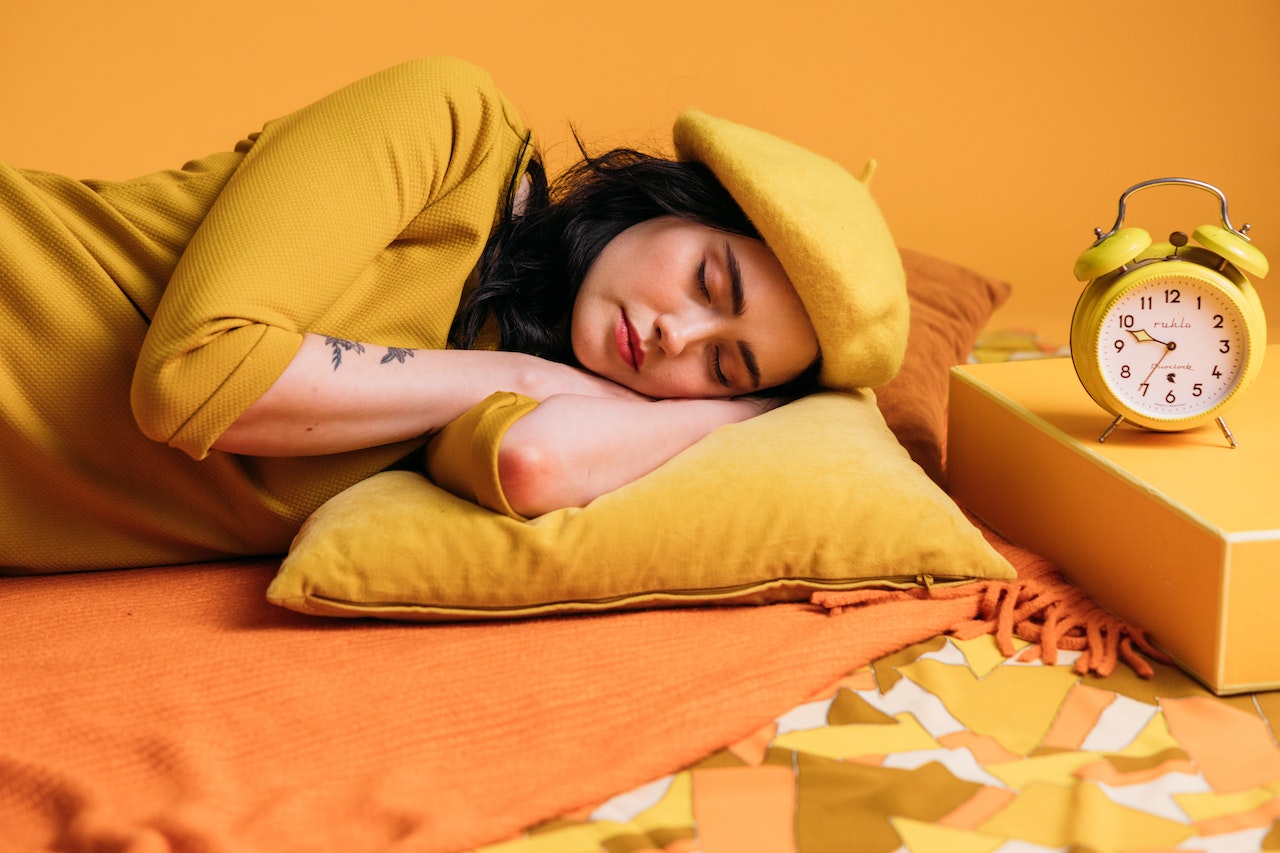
(1176,533)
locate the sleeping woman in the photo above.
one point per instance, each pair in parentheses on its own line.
(193,361)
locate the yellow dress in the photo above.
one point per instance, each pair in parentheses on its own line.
(138,319)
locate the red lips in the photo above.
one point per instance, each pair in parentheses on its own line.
(628,340)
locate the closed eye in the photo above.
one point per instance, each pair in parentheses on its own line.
(717,369)
(702,281)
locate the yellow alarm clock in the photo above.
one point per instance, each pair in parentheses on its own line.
(1168,335)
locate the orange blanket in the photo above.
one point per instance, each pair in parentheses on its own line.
(175,709)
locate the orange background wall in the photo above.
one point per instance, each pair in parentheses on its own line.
(1005,129)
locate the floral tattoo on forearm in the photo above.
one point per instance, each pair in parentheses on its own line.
(341,346)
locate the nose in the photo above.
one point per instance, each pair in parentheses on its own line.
(675,332)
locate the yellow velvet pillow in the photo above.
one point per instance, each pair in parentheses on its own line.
(815,495)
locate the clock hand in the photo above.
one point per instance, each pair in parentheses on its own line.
(1168,348)
(1142,337)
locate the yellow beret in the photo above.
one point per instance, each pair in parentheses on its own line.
(827,232)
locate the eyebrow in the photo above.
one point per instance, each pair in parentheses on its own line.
(735,279)
(739,305)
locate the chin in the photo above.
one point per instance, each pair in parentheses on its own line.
(588,362)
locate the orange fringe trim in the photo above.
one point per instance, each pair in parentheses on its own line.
(1054,616)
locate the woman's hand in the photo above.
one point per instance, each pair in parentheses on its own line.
(338,395)
(572,449)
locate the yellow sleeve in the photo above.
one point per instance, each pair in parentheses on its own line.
(317,199)
(463,457)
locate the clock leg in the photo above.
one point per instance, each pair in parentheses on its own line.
(1106,432)
(1226,432)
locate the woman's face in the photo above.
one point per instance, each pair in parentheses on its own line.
(671,308)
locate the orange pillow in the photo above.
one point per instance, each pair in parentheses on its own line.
(950,306)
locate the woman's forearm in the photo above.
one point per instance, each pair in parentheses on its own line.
(338,395)
(572,449)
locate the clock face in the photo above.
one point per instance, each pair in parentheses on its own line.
(1173,346)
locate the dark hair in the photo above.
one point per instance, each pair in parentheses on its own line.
(534,263)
